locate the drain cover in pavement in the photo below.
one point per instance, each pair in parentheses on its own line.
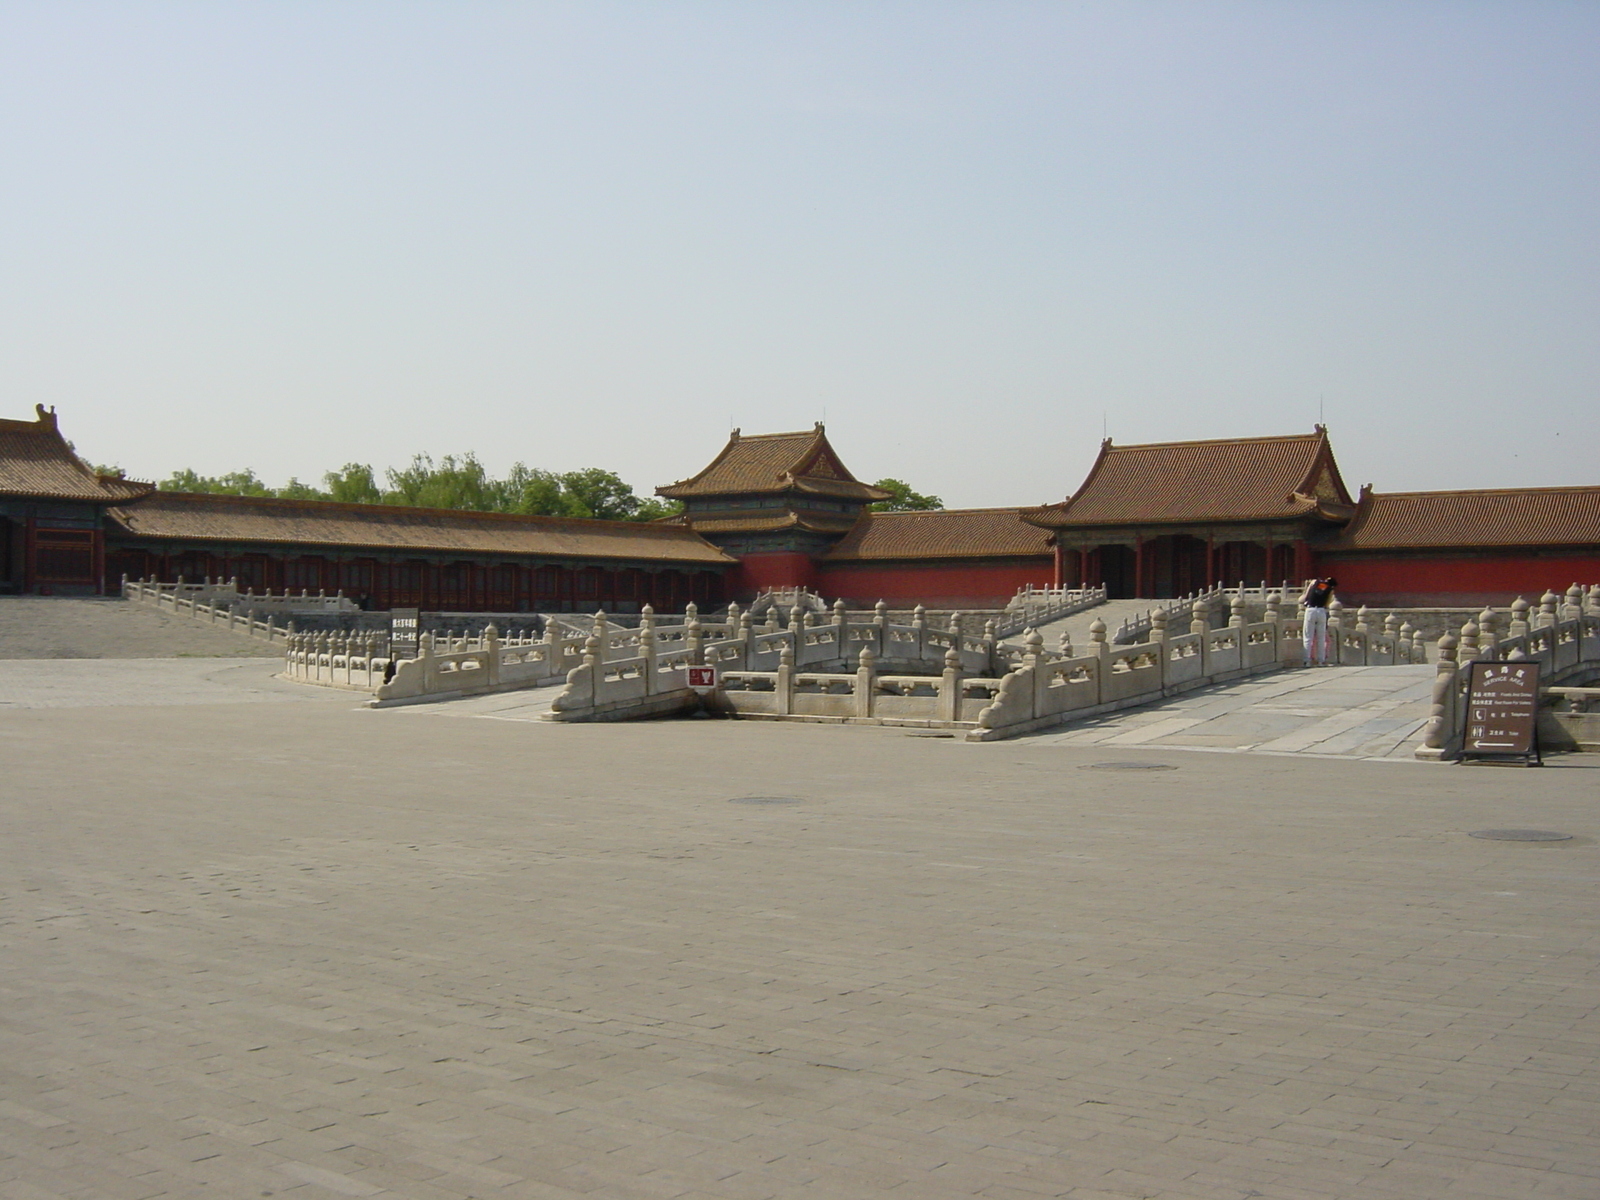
(765,800)
(1521,835)
(1127,766)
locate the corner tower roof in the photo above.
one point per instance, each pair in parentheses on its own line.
(773,463)
(36,461)
(1233,479)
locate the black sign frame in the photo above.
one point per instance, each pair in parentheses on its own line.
(1500,722)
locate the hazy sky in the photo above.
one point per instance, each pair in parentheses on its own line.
(289,235)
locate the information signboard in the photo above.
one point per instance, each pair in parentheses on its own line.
(1502,711)
(703,679)
(405,626)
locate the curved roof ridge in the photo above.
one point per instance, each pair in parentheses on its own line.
(774,462)
(36,461)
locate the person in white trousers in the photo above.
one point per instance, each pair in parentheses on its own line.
(1316,598)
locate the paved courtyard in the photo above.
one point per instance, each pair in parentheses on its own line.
(260,942)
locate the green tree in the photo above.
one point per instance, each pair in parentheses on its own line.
(534,492)
(234,483)
(454,481)
(903,499)
(593,492)
(653,508)
(353,483)
(295,490)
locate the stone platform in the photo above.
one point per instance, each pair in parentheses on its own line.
(284,946)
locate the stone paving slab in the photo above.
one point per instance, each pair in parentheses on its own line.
(105,627)
(316,950)
(1362,712)
(118,683)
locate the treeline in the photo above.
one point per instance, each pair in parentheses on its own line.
(453,482)
(462,482)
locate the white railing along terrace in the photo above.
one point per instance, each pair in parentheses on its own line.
(1034,606)
(1562,635)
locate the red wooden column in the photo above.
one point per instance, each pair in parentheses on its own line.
(99,562)
(1138,566)
(1266,571)
(1211,558)
(1059,555)
(29,548)
(1302,560)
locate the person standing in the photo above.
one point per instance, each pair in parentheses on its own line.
(1316,598)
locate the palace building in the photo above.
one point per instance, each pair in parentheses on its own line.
(782,510)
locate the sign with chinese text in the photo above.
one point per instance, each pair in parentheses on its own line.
(703,679)
(1502,709)
(404,628)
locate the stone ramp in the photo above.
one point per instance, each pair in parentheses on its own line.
(1339,712)
(1112,612)
(68,627)
(526,704)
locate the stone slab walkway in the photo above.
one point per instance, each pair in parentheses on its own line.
(311,950)
(1112,612)
(160,683)
(1356,712)
(65,627)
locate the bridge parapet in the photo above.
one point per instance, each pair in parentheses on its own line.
(1562,635)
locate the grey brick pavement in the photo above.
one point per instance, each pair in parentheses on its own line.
(304,949)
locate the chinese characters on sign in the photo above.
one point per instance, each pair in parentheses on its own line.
(404,626)
(1502,709)
(703,679)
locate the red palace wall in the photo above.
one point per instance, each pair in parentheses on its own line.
(757,573)
(937,585)
(1448,582)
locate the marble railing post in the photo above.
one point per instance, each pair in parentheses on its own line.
(784,699)
(1547,611)
(866,682)
(1519,618)
(1200,624)
(652,665)
(746,635)
(1487,641)
(1436,734)
(949,707)
(693,638)
(491,653)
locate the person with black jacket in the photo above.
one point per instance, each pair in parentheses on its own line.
(1316,598)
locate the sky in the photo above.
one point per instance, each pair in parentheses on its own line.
(973,238)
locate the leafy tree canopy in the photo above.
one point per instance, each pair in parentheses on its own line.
(903,498)
(455,481)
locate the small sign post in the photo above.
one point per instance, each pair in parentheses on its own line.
(405,627)
(1502,713)
(703,679)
